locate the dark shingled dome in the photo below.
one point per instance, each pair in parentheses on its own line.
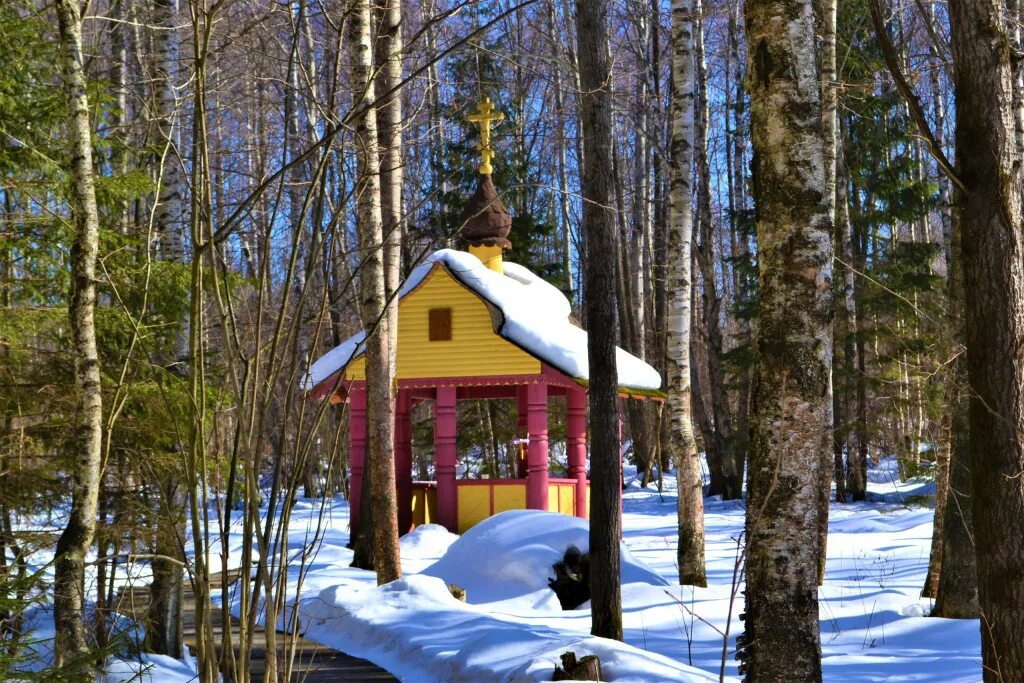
(486,220)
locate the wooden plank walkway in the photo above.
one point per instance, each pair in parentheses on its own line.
(314,663)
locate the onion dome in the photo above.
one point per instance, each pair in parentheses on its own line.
(486,221)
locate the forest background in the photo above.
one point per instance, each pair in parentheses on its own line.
(229,161)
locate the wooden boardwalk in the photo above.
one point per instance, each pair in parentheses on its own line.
(314,663)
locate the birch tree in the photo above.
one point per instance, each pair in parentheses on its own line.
(382,526)
(165,619)
(719,442)
(743,285)
(829,130)
(679,294)
(75,540)
(944,450)
(791,420)
(170,211)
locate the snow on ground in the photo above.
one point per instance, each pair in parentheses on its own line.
(149,668)
(125,663)
(872,626)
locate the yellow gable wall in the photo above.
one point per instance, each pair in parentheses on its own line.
(474,350)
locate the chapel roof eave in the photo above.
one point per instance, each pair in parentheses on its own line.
(517,297)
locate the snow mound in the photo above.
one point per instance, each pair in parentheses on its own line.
(915,609)
(427,540)
(510,555)
(620,663)
(414,627)
(424,545)
(149,668)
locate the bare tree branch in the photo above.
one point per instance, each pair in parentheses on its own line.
(908,94)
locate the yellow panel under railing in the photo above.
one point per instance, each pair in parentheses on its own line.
(424,503)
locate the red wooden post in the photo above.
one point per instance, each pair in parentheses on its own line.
(622,479)
(522,431)
(576,446)
(445,430)
(403,460)
(356,453)
(537,451)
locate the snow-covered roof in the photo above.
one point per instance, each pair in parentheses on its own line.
(535,317)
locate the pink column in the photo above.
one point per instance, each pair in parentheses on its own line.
(622,479)
(445,429)
(522,432)
(576,446)
(356,453)
(537,451)
(403,460)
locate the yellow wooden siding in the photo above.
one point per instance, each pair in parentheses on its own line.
(475,501)
(561,498)
(567,499)
(424,506)
(509,497)
(475,348)
(474,505)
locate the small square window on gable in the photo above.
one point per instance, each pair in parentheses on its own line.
(440,324)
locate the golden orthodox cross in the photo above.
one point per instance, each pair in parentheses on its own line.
(484,116)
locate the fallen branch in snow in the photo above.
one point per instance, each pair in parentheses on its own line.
(693,614)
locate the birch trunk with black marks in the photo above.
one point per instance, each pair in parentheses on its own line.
(599,295)
(637,283)
(679,294)
(121,11)
(991,217)
(829,128)
(791,420)
(716,395)
(944,451)
(75,540)
(741,246)
(164,617)
(563,176)
(379,530)
(170,211)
